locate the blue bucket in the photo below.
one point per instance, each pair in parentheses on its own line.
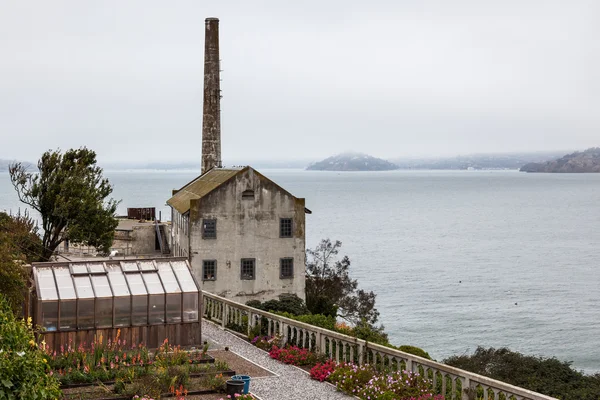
(246,380)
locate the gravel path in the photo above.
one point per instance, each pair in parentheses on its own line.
(290,382)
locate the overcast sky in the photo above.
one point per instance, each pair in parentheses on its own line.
(302,79)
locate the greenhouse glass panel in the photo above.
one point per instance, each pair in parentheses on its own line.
(129,266)
(190,307)
(68,314)
(153,283)
(136,285)
(184,276)
(86,314)
(66,290)
(146,266)
(84,287)
(117,280)
(168,278)
(101,286)
(173,308)
(104,313)
(96,268)
(139,312)
(49,315)
(46,284)
(79,269)
(157,309)
(122,311)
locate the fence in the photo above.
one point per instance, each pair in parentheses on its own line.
(454,383)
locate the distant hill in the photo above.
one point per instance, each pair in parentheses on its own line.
(477,161)
(352,162)
(585,161)
(5,163)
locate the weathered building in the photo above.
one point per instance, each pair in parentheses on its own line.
(244,235)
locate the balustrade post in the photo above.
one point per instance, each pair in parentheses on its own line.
(225,316)
(466,388)
(361,354)
(250,322)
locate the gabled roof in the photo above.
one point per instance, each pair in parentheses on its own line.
(201,186)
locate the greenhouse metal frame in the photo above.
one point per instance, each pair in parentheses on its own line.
(147,300)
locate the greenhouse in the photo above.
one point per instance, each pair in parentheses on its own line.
(147,300)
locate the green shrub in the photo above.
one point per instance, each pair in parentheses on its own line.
(415,351)
(544,375)
(320,320)
(288,303)
(24,370)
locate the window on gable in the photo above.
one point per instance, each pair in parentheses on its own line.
(248,268)
(286,268)
(248,195)
(209,229)
(209,270)
(285,227)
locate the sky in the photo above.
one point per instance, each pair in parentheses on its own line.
(300,80)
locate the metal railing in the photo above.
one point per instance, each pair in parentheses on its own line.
(454,383)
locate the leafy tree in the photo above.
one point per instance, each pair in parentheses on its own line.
(544,375)
(331,291)
(19,244)
(70,194)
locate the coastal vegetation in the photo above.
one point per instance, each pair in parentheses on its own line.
(584,161)
(19,244)
(71,196)
(24,370)
(544,375)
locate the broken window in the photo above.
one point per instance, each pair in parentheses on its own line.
(209,270)
(286,268)
(248,268)
(209,229)
(285,227)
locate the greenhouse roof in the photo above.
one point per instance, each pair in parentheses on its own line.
(111,278)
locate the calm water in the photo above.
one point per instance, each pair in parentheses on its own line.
(458,259)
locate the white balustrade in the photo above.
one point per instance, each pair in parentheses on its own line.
(340,347)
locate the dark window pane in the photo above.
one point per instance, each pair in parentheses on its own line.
(286,268)
(103,313)
(190,307)
(68,314)
(209,228)
(139,312)
(285,227)
(248,195)
(157,309)
(248,269)
(122,311)
(174,307)
(50,315)
(209,270)
(86,314)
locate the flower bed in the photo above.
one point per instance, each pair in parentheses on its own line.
(366,382)
(294,355)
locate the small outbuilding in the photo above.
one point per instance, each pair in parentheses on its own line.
(148,300)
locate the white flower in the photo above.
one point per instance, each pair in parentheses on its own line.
(21,353)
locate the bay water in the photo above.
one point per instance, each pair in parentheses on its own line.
(457,258)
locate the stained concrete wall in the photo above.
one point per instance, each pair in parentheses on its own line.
(248,229)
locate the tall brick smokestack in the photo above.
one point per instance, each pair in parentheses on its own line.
(211,119)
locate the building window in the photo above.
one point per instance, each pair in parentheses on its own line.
(285,227)
(248,268)
(209,229)
(209,270)
(286,268)
(248,195)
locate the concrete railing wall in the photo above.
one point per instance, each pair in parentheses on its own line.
(453,382)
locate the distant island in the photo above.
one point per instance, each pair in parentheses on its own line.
(578,162)
(352,162)
(4,164)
